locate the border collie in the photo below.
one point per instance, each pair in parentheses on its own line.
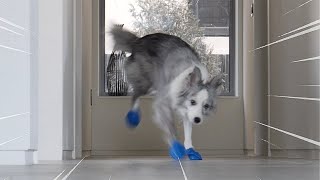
(172,68)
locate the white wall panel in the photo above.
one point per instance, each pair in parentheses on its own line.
(15,78)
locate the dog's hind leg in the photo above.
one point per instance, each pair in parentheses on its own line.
(135,102)
(140,85)
(137,93)
(133,116)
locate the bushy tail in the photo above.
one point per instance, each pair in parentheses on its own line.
(123,39)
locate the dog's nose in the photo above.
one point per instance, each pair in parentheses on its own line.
(197,120)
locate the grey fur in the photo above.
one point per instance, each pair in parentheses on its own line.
(123,39)
(156,60)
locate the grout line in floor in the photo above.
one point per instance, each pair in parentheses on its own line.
(67,175)
(183,172)
(59,175)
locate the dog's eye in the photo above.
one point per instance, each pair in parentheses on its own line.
(193,102)
(206,106)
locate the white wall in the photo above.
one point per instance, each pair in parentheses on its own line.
(56,79)
(40,68)
(270,75)
(50,79)
(17,55)
(297,114)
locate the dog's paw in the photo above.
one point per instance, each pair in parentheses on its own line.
(177,150)
(193,155)
(133,119)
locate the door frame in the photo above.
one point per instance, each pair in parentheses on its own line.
(96,53)
(77,77)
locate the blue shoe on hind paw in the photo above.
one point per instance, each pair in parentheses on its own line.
(133,119)
(177,150)
(193,155)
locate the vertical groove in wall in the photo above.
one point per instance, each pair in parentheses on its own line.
(268,16)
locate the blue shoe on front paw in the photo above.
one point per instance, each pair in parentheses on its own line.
(177,150)
(133,119)
(193,155)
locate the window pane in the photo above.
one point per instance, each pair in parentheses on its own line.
(213,13)
(215,17)
(204,24)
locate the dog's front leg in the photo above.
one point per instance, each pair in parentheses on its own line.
(192,154)
(163,118)
(187,134)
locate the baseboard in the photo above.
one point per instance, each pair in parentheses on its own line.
(294,153)
(67,155)
(204,152)
(86,153)
(27,157)
(249,152)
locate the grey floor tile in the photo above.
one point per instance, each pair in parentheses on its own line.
(247,169)
(128,169)
(41,171)
(166,169)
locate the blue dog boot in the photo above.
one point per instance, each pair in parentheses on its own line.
(193,155)
(177,150)
(133,119)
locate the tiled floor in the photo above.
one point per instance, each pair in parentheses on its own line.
(166,169)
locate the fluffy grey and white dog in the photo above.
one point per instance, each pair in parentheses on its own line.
(172,68)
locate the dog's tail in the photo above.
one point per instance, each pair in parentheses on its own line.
(123,39)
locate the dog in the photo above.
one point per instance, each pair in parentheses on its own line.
(168,65)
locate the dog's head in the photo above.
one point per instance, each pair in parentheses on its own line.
(197,99)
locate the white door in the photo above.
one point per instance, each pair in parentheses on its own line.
(222,134)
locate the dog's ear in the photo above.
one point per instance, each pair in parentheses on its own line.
(217,83)
(194,77)
(190,81)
